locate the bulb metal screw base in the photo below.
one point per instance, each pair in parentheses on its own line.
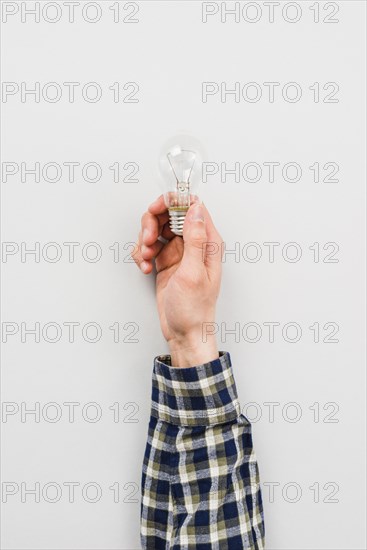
(176,220)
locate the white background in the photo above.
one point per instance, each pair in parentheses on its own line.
(169,52)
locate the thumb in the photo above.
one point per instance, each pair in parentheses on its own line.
(195,237)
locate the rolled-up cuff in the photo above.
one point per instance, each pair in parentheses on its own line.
(192,396)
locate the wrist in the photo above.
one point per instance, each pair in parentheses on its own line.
(192,351)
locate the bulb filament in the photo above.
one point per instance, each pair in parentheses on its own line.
(192,166)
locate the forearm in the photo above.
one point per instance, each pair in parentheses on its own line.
(192,350)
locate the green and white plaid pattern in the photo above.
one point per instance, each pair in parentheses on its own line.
(200,480)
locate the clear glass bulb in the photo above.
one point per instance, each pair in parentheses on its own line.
(180,165)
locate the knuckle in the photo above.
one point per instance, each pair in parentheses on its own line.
(196,237)
(144,218)
(135,254)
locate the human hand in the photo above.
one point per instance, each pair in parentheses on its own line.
(188,279)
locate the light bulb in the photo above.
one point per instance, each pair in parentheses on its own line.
(180,164)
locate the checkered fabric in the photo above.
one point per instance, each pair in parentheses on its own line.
(200,479)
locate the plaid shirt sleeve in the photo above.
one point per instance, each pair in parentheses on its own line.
(200,486)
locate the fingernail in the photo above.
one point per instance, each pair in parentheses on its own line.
(144,266)
(198,213)
(145,234)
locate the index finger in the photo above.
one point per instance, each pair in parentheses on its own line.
(158,206)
